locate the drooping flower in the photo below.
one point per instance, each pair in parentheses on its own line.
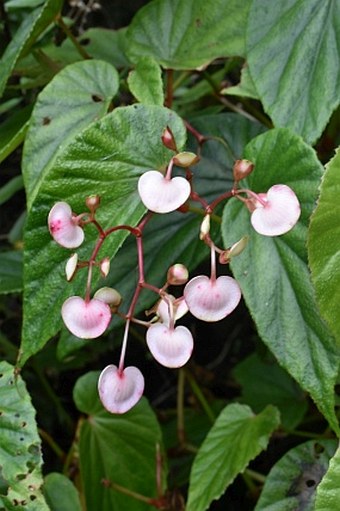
(85,319)
(275,212)
(171,347)
(161,194)
(179,309)
(118,390)
(211,299)
(64,227)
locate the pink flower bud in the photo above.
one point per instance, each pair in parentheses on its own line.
(170,347)
(93,202)
(162,195)
(86,320)
(71,267)
(242,169)
(105,267)
(235,250)
(205,227)
(185,159)
(119,391)
(212,300)
(168,139)
(276,212)
(177,275)
(108,295)
(64,227)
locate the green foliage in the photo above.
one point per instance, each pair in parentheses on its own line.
(60,494)
(10,272)
(20,456)
(273,273)
(327,493)
(145,82)
(234,440)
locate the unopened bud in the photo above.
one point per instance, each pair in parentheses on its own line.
(242,169)
(205,227)
(234,250)
(92,202)
(185,159)
(104,267)
(109,296)
(71,267)
(177,275)
(168,139)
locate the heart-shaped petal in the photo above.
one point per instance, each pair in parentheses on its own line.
(277,213)
(170,347)
(86,320)
(120,391)
(63,227)
(162,195)
(212,300)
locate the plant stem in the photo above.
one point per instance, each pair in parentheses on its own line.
(180,407)
(54,446)
(74,40)
(199,394)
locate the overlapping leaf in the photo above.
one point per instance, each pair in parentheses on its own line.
(60,493)
(235,439)
(145,82)
(328,491)
(273,273)
(111,447)
(324,246)
(106,159)
(77,96)
(187,34)
(291,50)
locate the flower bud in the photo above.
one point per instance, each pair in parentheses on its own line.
(104,267)
(168,139)
(185,159)
(234,250)
(93,202)
(108,295)
(71,267)
(242,169)
(177,274)
(205,227)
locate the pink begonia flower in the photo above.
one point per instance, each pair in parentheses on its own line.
(212,299)
(171,347)
(160,194)
(86,320)
(180,308)
(276,212)
(63,226)
(118,390)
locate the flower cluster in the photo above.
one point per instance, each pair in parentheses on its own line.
(208,298)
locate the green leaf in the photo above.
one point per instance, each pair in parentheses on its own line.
(106,159)
(187,34)
(291,50)
(236,438)
(273,386)
(273,273)
(11,188)
(60,493)
(10,272)
(13,130)
(145,82)
(20,456)
(108,45)
(78,95)
(32,26)
(328,491)
(291,483)
(117,448)
(324,246)
(245,88)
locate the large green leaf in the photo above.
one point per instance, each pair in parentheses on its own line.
(235,439)
(60,493)
(324,246)
(106,159)
(20,456)
(187,34)
(32,26)
(118,448)
(78,95)
(328,491)
(291,483)
(273,273)
(273,386)
(292,48)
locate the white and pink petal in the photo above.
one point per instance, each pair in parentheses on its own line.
(86,319)
(63,226)
(119,391)
(160,194)
(170,347)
